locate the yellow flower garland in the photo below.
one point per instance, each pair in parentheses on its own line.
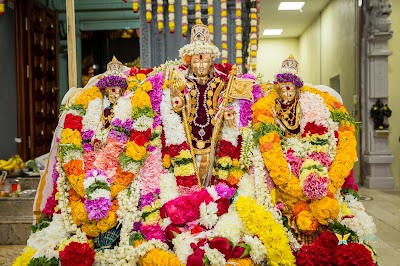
(157,257)
(274,158)
(25,257)
(262,223)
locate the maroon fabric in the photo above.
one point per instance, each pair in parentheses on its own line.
(107,112)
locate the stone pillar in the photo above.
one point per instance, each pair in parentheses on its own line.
(376,156)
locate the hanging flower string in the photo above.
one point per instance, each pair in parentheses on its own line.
(2,8)
(224,32)
(171,15)
(253,38)
(210,19)
(148,11)
(239,29)
(197,8)
(160,16)
(184,18)
(135,6)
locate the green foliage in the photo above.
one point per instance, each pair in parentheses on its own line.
(147,111)
(43,261)
(135,236)
(319,142)
(181,161)
(340,116)
(264,129)
(96,185)
(42,223)
(338,228)
(79,108)
(352,192)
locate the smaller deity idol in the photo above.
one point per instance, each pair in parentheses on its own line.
(287,108)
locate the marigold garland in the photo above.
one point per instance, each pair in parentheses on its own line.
(197,9)
(210,19)
(171,15)
(135,6)
(149,16)
(25,257)
(159,257)
(2,7)
(160,15)
(184,18)
(224,32)
(262,223)
(253,38)
(239,29)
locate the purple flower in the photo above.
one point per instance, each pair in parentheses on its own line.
(149,198)
(315,187)
(245,112)
(151,148)
(155,95)
(94,173)
(97,209)
(288,77)
(112,81)
(87,135)
(127,124)
(224,191)
(119,136)
(55,174)
(87,147)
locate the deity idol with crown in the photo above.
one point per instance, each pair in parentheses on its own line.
(308,144)
(160,167)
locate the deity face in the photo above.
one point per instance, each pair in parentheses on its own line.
(113,94)
(288,92)
(201,64)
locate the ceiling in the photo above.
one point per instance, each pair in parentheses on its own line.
(293,22)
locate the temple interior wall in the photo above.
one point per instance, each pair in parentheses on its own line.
(394,93)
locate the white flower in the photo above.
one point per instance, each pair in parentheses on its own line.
(229,226)
(212,192)
(89,181)
(168,188)
(143,123)
(123,108)
(165,222)
(91,119)
(73,155)
(48,238)
(258,251)
(208,214)
(173,127)
(100,193)
(215,257)
(182,246)
(246,186)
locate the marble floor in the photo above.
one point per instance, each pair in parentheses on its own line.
(383,205)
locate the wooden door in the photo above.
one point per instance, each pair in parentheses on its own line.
(37,77)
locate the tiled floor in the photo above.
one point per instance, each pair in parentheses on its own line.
(384,208)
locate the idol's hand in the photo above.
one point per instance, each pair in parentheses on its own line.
(230,118)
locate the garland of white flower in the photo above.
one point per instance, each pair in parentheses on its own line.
(171,15)
(184,18)
(197,8)
(215,257)
(263,196)
(149,16)
(224,32)
(160,16)
(253,38)
(239,29)
(210,18)
(247,147)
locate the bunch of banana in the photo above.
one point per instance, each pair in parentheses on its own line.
(12,164)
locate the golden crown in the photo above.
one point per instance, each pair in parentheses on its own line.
(290,64)
(200,33)
(115,68)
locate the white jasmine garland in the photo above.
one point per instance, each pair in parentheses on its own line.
(258,252)
(123,108)
(99,178)
(45,240)
(182,245)
(91,119)
(143,123)
(229,226)
(246,186)
(247,147)
(168,187)
(72,155)
(215,257)
(208,214)
(100,193)
(173,128)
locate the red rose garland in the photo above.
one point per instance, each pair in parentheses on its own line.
(77,254)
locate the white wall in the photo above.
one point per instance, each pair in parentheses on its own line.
(272,52)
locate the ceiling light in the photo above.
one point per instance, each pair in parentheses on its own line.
(291,5)
(273,32)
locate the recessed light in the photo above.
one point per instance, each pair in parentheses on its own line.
(273,32)
(291,5)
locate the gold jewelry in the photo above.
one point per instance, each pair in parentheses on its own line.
(289,116)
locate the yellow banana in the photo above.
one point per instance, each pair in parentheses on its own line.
(7,164)
(11,166)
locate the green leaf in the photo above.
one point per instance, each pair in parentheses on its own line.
(264,129)
(135,236)
(96,185)
(44,261)
(352,192)
(43,222)
(338,228)
(340,116)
